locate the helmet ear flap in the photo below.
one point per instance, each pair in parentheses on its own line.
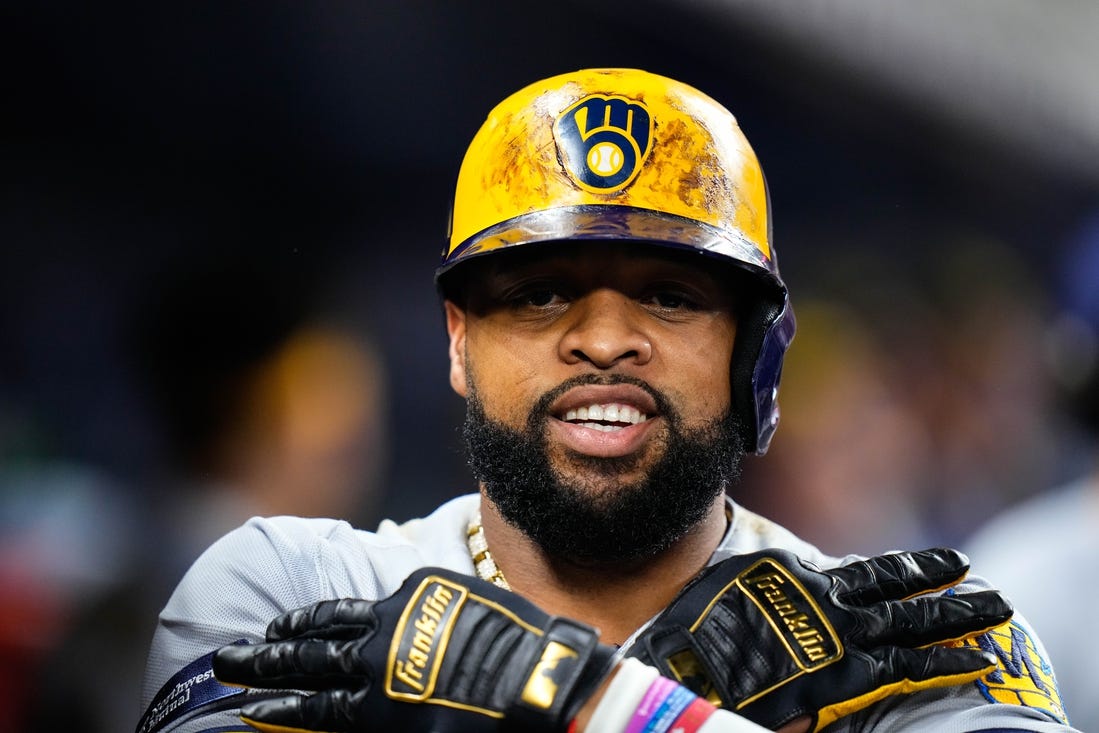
(754,377)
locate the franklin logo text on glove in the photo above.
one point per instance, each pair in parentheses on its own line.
(792,613)
(422,635)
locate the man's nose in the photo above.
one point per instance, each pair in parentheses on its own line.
(605,329)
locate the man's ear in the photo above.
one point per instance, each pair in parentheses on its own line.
(456,328)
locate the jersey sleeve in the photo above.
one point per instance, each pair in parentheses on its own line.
(229,595)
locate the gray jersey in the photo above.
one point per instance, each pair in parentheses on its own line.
(269,566)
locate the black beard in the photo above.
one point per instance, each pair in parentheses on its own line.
(632,522)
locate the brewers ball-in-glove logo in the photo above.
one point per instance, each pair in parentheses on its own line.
(603,141)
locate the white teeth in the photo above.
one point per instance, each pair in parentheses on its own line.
(613,413)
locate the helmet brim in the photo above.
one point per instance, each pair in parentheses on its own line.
(612,223)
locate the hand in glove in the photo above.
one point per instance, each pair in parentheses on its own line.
(774,638)
(446,652)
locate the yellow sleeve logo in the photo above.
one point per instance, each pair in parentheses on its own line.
(1022,676)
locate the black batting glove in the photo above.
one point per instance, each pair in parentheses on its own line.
(446,652)
(774,638)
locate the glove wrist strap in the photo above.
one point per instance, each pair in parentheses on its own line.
(566,672)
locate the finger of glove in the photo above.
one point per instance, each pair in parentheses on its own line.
(343,618)
(334,711)
(306,664)
(899,575)
(932,619)
(934,666)
(899,671)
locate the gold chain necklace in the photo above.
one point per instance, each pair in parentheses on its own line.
(482,558)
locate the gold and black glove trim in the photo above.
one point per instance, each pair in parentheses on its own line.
(446,652)
(774,638)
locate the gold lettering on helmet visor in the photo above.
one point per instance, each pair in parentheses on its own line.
(420,640)
(792,613)
(541,687)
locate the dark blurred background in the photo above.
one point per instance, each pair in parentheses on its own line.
(219,220)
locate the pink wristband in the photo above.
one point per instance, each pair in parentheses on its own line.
(658,691)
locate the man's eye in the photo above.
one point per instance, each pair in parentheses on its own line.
(539,297)
(671,301)
(535,297)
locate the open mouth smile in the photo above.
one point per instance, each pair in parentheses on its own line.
(605,417)
(604,420)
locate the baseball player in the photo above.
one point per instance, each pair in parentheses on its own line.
(617,326)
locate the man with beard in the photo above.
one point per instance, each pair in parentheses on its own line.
(617,325)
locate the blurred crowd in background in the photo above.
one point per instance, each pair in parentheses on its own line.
(217,233)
